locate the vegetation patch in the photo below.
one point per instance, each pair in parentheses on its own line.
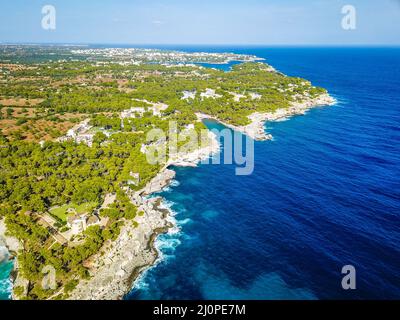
(62,212)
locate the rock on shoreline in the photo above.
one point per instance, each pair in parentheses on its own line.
(9,246)
(12,244)
(191,159)
(124,259)
(159,182)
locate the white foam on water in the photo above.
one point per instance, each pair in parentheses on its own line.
(340,101)
(161,245)
(140,283)
(165,189)
(184,221)
(174,183)
(5,284)
(165,245)
(166,204)
(168,244)
(282,119)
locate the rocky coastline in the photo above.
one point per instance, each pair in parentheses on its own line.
(255,129)
(120,262)
(9,247)
(7,242)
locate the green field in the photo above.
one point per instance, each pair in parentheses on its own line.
(61,212)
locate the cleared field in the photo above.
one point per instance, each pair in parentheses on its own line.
(62,214)
(20,102)
(34,130)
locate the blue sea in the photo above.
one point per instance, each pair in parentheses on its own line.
(325,193)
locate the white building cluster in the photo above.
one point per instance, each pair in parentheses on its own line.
(79,133)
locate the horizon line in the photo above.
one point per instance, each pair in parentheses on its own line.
(199,44)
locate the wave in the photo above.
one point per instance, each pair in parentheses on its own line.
(167,204)
(184,221)
(167,189)
(165,245)
(168,244)
(174,183)
(339,100)
(5,286)
(5,282)
(282,119)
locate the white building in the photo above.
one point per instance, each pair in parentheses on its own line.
(77,224)
(210,93)
(188,95)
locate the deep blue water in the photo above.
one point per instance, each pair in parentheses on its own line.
(324,193)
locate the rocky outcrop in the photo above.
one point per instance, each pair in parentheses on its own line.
(159,182)
(11,243)
(9,246)
(191,159)
(3,253)
(120,262)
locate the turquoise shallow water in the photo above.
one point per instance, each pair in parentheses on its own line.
(5,285)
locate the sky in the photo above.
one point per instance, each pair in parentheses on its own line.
(219,22)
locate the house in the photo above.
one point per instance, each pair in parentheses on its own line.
(79,133)
(85,138)
(79,129)
(255,96)
(209,93)
(92,220)
(135,178)
(237,96)
(71,133)
(188,95)
(131,113)
(77,223)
